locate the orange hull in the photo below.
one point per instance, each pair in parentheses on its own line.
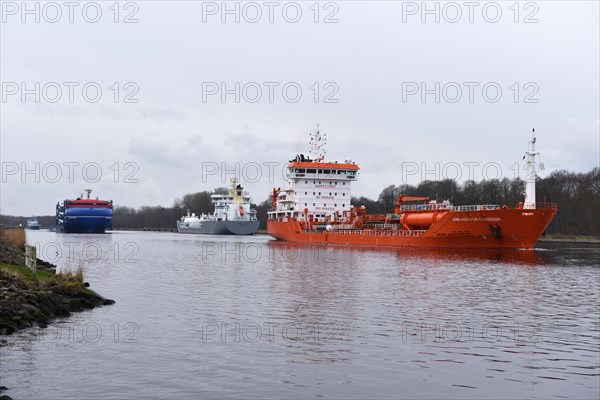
(518,229)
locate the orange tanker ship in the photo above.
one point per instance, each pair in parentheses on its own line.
(315,208)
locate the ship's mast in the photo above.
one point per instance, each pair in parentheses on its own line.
(237,194)
(531,175)
(318,141)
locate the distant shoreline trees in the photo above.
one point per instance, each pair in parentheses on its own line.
(577,196)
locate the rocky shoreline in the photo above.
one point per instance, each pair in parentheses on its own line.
(27,300)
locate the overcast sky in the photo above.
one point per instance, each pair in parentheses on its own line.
(491,72)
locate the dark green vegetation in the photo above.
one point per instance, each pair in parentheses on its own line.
(577,196)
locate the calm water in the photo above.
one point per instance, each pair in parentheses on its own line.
(200,316)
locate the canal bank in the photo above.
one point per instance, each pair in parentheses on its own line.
(28,299)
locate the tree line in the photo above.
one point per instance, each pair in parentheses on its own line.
(157,217)
(577,196)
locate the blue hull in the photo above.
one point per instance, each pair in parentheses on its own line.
(87,220)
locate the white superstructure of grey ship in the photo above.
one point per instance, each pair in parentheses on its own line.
(232,215)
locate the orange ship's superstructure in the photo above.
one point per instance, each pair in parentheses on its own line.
(315,208)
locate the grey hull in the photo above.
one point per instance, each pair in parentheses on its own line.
(223,228)
(242,227)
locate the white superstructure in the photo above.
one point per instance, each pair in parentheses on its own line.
(316,189)
(232,215)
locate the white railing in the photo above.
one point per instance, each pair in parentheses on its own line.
(479,207)
(427,207)
(369,232)
(342,227)
(386,226)
(31,258)
(449,207)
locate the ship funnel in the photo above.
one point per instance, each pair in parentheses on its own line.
(531,173)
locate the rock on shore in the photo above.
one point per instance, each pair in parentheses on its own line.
(27,300)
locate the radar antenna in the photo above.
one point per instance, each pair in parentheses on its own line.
(318,140)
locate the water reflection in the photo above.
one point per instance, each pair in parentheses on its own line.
(220,316)
(328,253)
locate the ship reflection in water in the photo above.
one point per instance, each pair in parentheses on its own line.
(247,316)
(440,254)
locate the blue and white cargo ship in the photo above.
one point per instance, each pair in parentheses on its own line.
(84,215)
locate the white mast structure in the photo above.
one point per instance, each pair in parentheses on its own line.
(318,141)
(316,189)
(531,174)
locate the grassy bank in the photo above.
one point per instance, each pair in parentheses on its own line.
(14,236)
(27,299)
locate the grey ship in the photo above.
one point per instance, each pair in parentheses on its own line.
(232,215)
(33,224)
